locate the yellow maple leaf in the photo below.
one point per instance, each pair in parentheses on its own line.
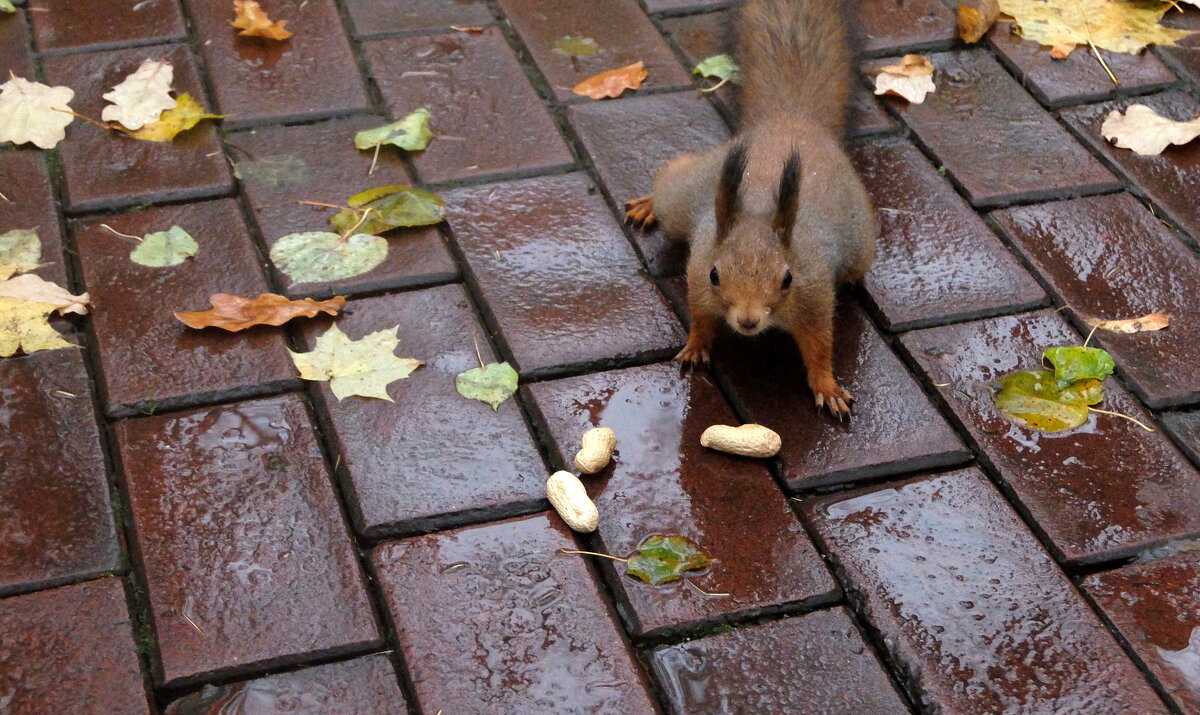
(186,114)
(1125,26)
(24,326)
(355,367)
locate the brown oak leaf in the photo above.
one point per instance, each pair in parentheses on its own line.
(234,313)
(252,20)
(613,83)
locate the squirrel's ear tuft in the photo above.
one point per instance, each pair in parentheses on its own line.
(727,190)
(788,202)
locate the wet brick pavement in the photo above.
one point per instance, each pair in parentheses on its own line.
(187,527)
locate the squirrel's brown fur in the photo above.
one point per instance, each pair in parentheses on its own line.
(766,249)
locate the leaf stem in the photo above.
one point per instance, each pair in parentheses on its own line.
(361,219)
(84,117)
(374,159)
(593,553)
(716,86)
(139,239)
(1118,414)
(478,356)
(704,593)
(327,206)
(1089,337)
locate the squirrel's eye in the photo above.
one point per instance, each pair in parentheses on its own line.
(787,280)
(712,276)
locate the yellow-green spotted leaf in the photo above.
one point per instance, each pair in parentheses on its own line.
(720,67)
(20,251)
(1078,363)
(576,46)
(411,133)
(278,171)
(390,207)
(493,383)
(320,256)
(164,248)
(662,559)
(1033,397)
(7,6)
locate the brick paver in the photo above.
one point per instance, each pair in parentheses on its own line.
(815,664)
(886,26)
(15,46)
(664,482)
(64,25)
(245,555)
(70,649)
(1185,426)
(491,618)
(30,205)
(380,17)
(973,611)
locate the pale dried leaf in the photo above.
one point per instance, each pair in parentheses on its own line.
(142,97)
(20,251)
(1116,26)
(39,290)
(1146,323)
(24,326)
(33,113)
(911,79)
(1146,132)
(362,367)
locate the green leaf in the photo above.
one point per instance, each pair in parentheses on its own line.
(278,171)
(164,248)
(20,251)
(576,46)
(7,6)
(391,207)
(1076,363)
(493,383)
(721,67)
(320,256)
(661,559)
(1033,397)
(411,133)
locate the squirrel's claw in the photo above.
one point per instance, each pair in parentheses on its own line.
(639,212)
(693,355)
(836,399)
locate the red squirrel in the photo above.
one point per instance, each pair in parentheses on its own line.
(776,217)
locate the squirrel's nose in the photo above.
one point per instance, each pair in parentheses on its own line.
(748,323)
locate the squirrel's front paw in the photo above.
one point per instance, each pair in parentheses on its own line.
(829,394)
(640,212)
(693,353)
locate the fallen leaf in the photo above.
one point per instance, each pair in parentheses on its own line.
(253,22)
(20,251)
(24,326)
(576,46)
(411,133)
(612,83)
(1144,324)
(975,18)
(321,256)
(1145,132)
(355,367)
(7,6)
(1116,26)
(142,97)
(33,113)
(722,67)
(186,114)
(277,171)
(164,248)
(662,559)
(39,290)
(390,207)
(1033,396)
(234,313)
(912,79)
(493,383)
(468,30)
(1079,363)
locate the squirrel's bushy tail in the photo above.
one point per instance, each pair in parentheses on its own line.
(796,60)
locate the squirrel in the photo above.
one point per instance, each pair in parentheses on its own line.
(776,217)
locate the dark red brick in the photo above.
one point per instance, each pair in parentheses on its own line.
(682,5)
(1185,427)
(150,359)
(14,46)
(1110,258)
(900,26)
(63,24)
(620,27)
(664,482)
(334,171)
(310,75)
(816,664)
(491,619)
(366,685)
(432,457)
(630,141)
(894,429)
(1184,58)
(1073,484)
(1079,78)
(486,117)
(1156,608)
(558,275)
(972,610)
(105,169)
(1169,178)
(70,650)
(239,531)
(55,520)
(937,261)
(31,204)
(998,145)
(380,17)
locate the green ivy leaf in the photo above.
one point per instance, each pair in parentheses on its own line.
(1077,363)
(661,559)
(493,383)
(165,248)
(7,6)
(721,67)
(411,133)
(391,207)
(1033,397)
(278,171)
(576,46)
(320,256)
